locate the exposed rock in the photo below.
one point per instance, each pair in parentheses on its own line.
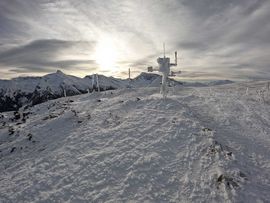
(13,149)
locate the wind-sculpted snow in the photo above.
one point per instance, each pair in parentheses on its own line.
(203,144)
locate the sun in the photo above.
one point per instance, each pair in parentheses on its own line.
(106,54)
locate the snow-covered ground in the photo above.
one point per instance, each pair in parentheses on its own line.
(201,144)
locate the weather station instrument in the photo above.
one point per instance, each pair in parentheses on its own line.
(164,67)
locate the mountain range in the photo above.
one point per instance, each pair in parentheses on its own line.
(21,91)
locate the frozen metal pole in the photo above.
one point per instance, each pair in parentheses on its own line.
(164,67)
(97,83)
(164,49)
(93,82)
(163,89)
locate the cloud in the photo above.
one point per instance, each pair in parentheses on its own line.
(51,66)
(225,37)
(193,45)
(31,69)
(44,55)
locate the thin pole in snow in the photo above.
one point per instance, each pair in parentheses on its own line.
(93,82)
(164,49)
(97,83)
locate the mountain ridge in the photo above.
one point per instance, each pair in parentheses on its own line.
(21,91)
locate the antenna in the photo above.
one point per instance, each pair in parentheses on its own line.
(175,55)
(164,66)
(97,83)
(164,48)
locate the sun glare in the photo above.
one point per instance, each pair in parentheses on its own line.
(106,54)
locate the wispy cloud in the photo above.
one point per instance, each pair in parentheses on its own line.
(45,55)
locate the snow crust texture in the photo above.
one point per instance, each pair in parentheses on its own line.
(201,144)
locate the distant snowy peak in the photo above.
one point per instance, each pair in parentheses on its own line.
(208,83)
(54,82)
(220,82)
(20,91)
(151,80)
(106,83)
(147,76)
(59,72)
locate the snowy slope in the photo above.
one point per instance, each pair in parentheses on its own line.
(207,144)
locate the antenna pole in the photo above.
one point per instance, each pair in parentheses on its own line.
(175,55)
(97,83)
(164,48)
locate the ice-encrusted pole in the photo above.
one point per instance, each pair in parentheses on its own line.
(165,72)
(247,91)
(97,83)
(163,89)
(63,87)
(93,83)
(164,68)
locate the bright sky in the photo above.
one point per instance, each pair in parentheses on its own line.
(226,39)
